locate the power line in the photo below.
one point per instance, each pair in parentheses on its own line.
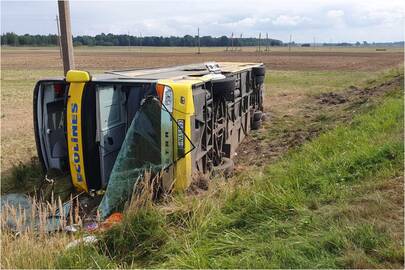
(58,43)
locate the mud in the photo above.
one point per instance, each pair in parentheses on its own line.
(311,116)
(332,98)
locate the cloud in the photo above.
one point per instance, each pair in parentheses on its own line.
(335,14)
(340,20)
(336,18)
(286,20)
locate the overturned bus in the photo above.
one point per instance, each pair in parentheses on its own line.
(107,129)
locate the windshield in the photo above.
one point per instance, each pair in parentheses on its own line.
(148,145)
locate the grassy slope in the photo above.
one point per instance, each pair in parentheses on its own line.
(334,202)
(297,214)
(284,219)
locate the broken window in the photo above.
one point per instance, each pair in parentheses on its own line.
(148,146)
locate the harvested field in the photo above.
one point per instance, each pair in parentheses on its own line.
(277,60)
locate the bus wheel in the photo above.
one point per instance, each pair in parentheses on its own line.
(257,116)
(256,125)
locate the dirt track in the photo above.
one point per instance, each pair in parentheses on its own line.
(41,59)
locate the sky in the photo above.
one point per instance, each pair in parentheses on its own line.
(305,20)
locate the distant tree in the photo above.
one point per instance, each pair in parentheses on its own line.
(223,41)
(110,39)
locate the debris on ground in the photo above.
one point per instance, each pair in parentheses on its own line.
(332,98)
(87,240)
(114,218)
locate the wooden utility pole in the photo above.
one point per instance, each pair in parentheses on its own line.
(66,35)
(232,42)
(289,44)
(129,41)
(140,41)
(198,34)
(58,39)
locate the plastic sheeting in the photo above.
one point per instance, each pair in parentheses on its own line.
(23,205)
(148,145)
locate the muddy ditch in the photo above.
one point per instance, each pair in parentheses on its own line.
(286,128)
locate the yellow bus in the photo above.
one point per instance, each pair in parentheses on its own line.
(182,119)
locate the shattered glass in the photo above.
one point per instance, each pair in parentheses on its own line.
(148,146)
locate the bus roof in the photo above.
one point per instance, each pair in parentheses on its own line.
(199,72)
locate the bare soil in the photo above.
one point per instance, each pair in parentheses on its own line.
(292,119)
(359,61)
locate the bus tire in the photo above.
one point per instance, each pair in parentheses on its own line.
(257,116)
(259,80)
(256,125)
(259,71)
(224,88)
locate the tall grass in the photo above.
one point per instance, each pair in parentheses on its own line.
(25,238)
(283,219)
(312,209)
(333,203)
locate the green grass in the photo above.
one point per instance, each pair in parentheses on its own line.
(314,81)
(272,224)
(323,205)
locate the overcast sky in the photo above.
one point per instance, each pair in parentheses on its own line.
(326,20)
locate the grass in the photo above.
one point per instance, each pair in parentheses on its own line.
(314,82)
(23,176)
(31,252)
(336,202)
(272,224)
(17,136)
(333,202)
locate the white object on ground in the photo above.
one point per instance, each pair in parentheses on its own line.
(90,239)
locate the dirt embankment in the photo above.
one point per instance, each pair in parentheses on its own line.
(293,120)
(355,61)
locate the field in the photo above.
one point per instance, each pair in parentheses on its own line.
(319,186)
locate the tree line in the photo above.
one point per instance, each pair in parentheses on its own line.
(102,39)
